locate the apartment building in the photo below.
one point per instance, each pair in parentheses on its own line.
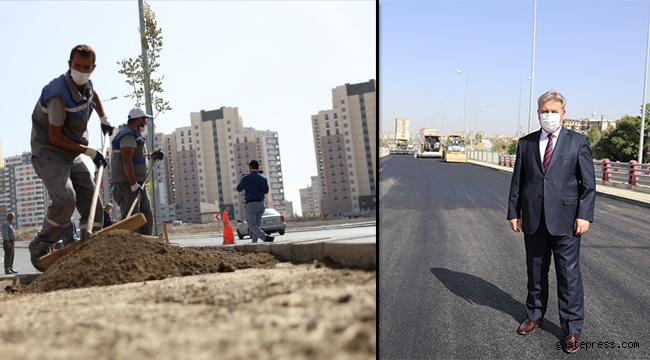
(403,128)
(310,199)
(345,148)
(22,192)
(210,157)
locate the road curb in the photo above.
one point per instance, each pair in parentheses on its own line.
(353,255)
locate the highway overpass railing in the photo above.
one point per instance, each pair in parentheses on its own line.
(631,174)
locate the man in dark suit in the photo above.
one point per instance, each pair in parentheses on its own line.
(552,196)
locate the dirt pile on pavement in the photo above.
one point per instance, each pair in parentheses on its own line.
(121,257)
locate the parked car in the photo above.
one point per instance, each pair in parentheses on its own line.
(272,221)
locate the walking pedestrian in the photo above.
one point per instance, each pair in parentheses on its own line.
(8,239)
(256,187)
(59,137)
(129,168)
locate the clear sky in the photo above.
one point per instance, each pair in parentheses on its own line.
(593,52)
(276,61)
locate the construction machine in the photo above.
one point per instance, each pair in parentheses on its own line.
(401,147)
(454,150)
(431,146)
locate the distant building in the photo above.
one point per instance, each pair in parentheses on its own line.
(22,192)
(402,128)
(345,149)
(309,199)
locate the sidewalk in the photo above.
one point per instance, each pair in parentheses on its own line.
(610,190)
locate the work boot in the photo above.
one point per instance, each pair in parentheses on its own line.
(36,250)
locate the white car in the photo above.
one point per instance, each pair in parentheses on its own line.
(272,221)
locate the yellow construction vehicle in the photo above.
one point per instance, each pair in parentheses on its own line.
(454,150)
(401,147)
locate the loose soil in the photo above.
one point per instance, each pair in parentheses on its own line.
(125,296)
(121,256)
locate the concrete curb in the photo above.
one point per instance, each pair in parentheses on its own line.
(344,252)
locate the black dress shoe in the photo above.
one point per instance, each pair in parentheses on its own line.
(14,271)
(269,238)
(8,272)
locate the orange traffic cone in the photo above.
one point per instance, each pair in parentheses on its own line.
(228,236)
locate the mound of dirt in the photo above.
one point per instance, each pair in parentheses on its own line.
(120,257)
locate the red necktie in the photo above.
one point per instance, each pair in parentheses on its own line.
(548,152)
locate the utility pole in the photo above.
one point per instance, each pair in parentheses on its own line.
(150,128)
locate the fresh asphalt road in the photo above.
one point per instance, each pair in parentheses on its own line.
(365,231)
(452,275)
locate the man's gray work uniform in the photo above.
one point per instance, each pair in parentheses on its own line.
(8,235)
(66,177)
(122,194)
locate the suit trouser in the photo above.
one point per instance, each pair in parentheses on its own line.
(254,212)
(566,254)
(68,185)
(125,198)
(9,254)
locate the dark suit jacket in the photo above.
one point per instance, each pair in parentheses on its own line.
(568,187)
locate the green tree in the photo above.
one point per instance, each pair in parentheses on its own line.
(593,135)
(151,39)
(499,145)
(622,143)
(512,147)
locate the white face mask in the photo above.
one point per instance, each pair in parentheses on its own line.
(79,78)
(142,128)
(550,122)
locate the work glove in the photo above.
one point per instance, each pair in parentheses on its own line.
(157,155)
(107,127)
(137,189)
(97,156)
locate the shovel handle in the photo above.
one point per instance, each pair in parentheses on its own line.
(98,182)
(137,198)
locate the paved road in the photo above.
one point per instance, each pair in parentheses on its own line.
(452,280)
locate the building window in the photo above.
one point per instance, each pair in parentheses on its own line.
(343,109)
(345,118)
(342,101)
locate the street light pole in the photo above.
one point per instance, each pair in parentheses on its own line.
(475,117)
(155,202)
(645,85)
(518,132)
(442,126)
(532,70)
(465,111)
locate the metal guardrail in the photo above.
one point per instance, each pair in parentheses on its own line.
(615,172)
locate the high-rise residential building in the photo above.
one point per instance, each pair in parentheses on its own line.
(210,157)
(403,128)
(345,148)
(310,199)
(22,192)
(266,150)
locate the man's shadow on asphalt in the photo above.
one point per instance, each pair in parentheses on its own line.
(478,291)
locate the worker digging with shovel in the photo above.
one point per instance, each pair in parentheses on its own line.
(59,137)
(129,168)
